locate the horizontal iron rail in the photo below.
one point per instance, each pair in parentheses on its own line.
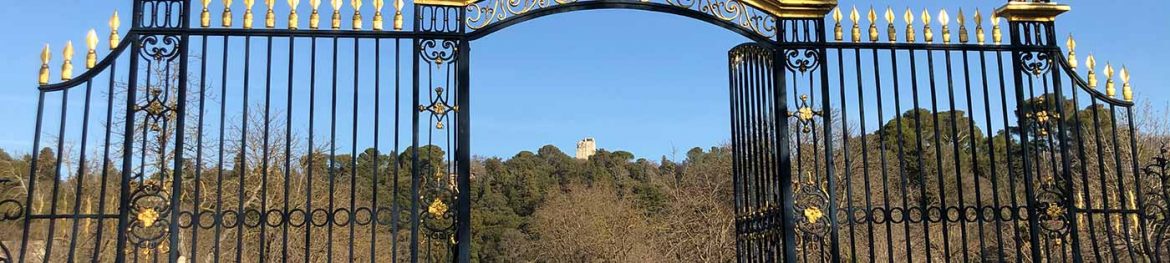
(299,33)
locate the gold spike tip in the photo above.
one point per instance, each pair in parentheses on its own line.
(1110,90)
(943,18)
(67,63)
(315,4)
(398,14)
(908,17)
(1071,43)
(270,3)
(837,15)
(978,17)
(1126,89)
(960,19)
(336,5)
(91,41)
(378,5)
(926,17)
(43,74)
(398,4)
(115,22)
(1124,75)
(889,15)
(995,20)
(871,15)
(854,16)
(357,5)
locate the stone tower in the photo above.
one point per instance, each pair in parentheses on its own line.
(586,148)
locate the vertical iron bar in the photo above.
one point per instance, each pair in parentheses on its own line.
(127,152)
(32,176)
(780,95)
(463,150)
(80,172)
(105,159)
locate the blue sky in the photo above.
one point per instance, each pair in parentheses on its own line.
(638,81)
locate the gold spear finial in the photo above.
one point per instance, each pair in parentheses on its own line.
(336,14)
(1072,51)
(43,75)
(891,33)
(314,18)
(856,30)
(1126,90)
(378,15)
(91,42)
(115,22)
(963,38)
(908,17)
(926,33)
(1091,63)
(270,17)
(996,36)
(872,17)
(979,27)
(838,33)
(248,13)
(67,65)
(357,14)
(1110,90)
(293,20)
(205,16)
(398,14)
(226,18)
(945,20)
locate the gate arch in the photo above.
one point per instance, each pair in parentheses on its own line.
(156,157)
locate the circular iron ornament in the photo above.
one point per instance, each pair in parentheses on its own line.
(297,217)
(251,218)
(230,219)
(383,215)
(915,214)
(207,220)
(319,217)
(342,217)
(362,216)
(11,210)
(1036,63)
(803,60)
(274,217)
(160,48)
(185,219)
(150,210)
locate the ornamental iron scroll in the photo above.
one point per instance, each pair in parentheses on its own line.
(149,218)
(802,61)
(484,14)
(1156,206)
(10,211)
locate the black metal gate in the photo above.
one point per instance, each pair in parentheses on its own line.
(201,138)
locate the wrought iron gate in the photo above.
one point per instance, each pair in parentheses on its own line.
(198,137)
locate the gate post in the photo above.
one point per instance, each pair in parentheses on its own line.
(1032,25)
(449,53)
(801,22)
